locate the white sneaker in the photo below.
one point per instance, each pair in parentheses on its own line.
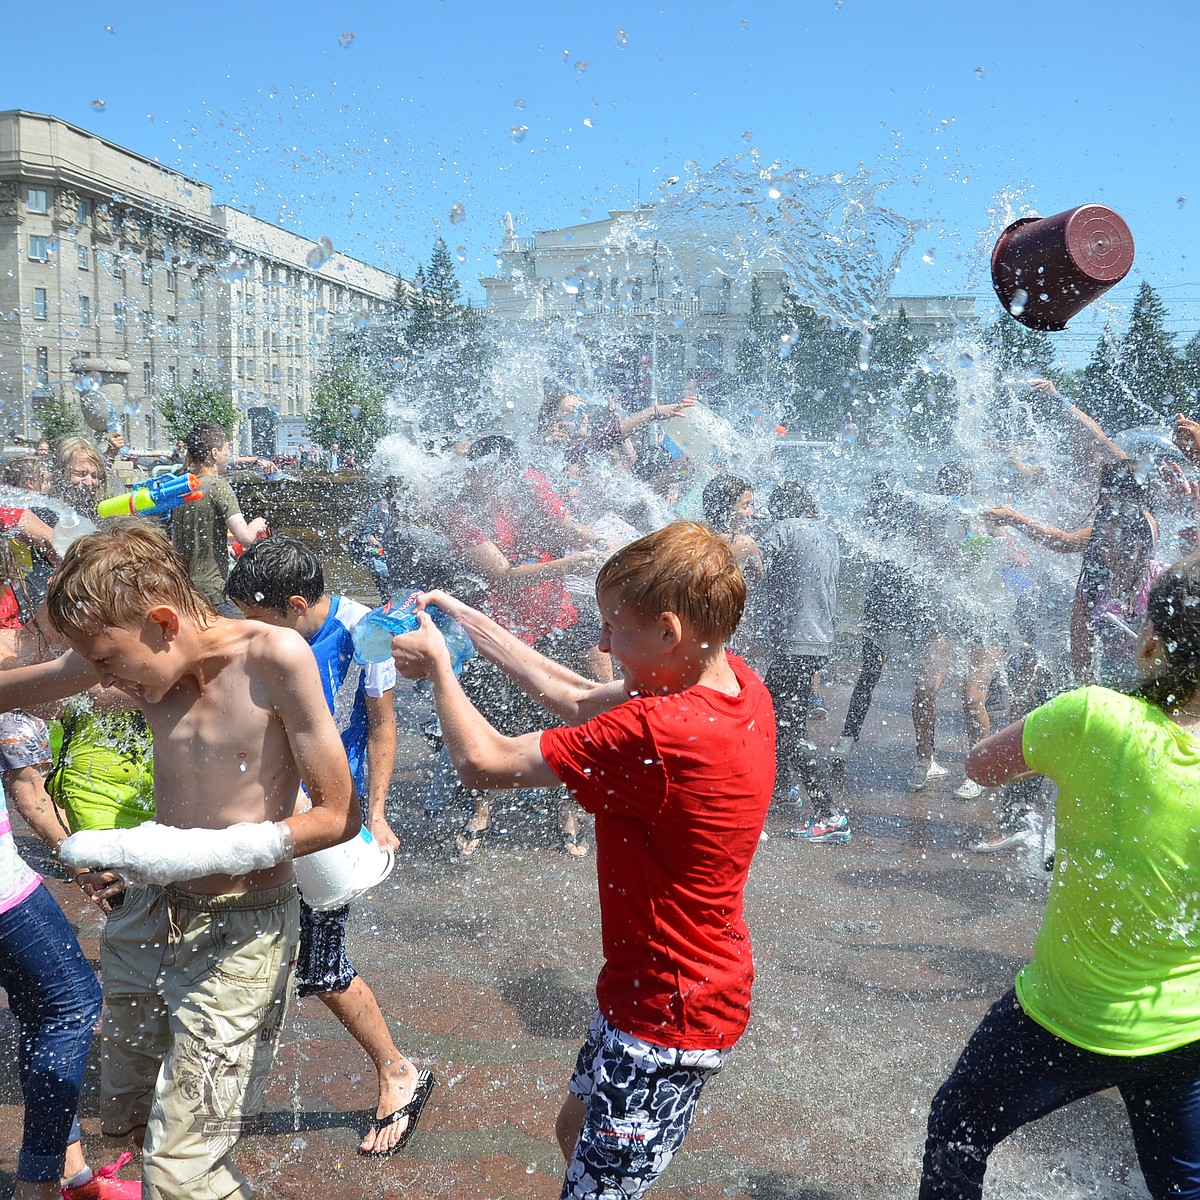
(968,790)
(925,770)
(843,748)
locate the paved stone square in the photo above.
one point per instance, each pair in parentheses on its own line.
(875,961)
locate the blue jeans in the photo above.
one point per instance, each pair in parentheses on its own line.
(55,998)
(1014,1071)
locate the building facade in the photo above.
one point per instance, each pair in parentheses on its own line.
(674,313)
(120,280)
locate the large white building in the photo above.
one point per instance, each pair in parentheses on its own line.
(677,309)
(119,273)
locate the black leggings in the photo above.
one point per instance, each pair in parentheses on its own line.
(789,679)
(860,698)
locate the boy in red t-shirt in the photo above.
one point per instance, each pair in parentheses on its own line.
(677,762)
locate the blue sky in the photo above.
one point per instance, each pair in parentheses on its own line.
(369,123)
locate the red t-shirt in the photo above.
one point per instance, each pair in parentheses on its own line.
(536,610)
(679,786)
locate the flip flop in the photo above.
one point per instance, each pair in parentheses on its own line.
(412,1110)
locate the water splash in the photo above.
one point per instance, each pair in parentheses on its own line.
(834,244)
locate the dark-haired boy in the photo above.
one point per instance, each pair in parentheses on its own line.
(677,762)
(279,580)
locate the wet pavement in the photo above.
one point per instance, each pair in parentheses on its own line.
(875,961)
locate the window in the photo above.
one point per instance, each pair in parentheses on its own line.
(146,272)
(83,211)
(42,356)
(39,304)
(85,310)
(196,335)
(195,374)
(37,200)
(241,366)
(37,247)
(172,377)
(170,281)
(249,368)
(147,377)
(118,317)
(81,257)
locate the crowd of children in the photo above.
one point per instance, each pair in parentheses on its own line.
(212,725)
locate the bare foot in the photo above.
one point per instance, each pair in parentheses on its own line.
(467,842)
(395,1090)
(574,845)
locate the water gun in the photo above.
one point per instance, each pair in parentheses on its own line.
(154,498)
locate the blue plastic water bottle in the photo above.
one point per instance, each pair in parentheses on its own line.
(372,636)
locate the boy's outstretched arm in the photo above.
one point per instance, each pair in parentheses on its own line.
(482,757)
(567,694)
(316,747)
(43,683)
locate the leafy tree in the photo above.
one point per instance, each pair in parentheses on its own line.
(1149,365)
(445,356)
(347,409)
(1191,370)
(186,406)
(1101,389)
(58,417)
(1018,352)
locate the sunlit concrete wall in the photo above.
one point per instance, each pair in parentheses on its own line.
(117,268)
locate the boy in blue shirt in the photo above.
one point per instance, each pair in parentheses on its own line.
(280,581)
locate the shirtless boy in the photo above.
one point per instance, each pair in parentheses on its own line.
(677,762)
(197,960)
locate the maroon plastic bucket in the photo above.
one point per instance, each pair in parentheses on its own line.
(1046,269)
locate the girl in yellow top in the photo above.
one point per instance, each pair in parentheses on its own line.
(1112,996)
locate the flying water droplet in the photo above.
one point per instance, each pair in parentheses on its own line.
(320,254)
(233,271)
(1020,298)
(109,29)
(622,39)
(461,251)
(927,257)
(99,105)
(966,359)
(518,104)
(581,66)
(518,132)
(1181,201)
(588,122)
(241,766)
(747,134)
(980,73)
(458,214)
(346,40)
(864,352)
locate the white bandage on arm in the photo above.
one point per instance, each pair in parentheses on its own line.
(153,853)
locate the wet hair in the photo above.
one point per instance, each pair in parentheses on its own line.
(1137,541)
(1125,482)
(29,472)
(114,578)
(651,463)
(1173,608)
(791,499)
(684,568)
(719,497)
(201,440)
(71,448)
(955,478)
(503,448)
(272,570)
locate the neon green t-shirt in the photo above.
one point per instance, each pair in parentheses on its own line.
(1116,963)
(104,773)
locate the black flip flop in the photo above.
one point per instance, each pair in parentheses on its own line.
(412,1110)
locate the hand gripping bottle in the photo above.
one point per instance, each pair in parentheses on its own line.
(372,636)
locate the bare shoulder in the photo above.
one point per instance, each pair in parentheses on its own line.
(276,651)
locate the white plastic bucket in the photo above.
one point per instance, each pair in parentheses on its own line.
(335,876)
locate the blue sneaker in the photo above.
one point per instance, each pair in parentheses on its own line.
(834,828)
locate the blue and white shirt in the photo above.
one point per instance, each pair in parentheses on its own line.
(346,684)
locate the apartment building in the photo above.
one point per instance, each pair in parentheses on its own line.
(119,279)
